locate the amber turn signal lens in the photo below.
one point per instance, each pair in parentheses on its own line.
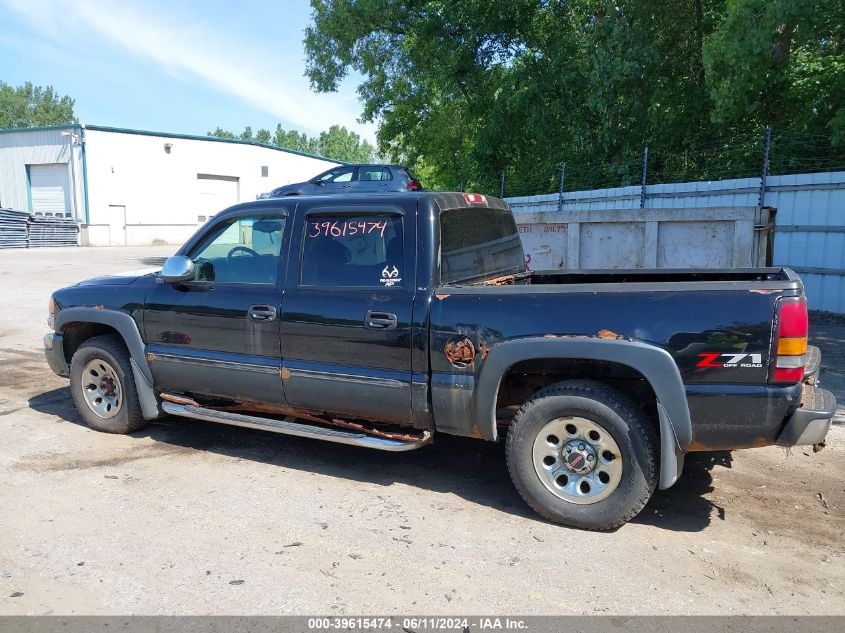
(792,346)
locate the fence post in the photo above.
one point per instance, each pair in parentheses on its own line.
(645,173)
(765,172)
(461,186)
(560,192)
(502,184)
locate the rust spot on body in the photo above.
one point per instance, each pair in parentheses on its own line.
(441,297)
(476,432)
(460,353)
(763,291)
(151,357)
(498,281)
(697,446)
(176,399)
(609,334)
(390,435)
(484,350)
(284,372)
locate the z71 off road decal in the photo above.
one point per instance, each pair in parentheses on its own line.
(730,360)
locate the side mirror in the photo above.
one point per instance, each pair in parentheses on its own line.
(177,269)
(318,182)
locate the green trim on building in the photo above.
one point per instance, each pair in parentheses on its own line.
(28,189)
(188,137)
(85,178)
(45,128)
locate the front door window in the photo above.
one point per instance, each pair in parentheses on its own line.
(245,250)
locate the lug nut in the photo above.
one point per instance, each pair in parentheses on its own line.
(580,447)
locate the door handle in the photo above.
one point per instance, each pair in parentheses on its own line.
(381,320)
(262,313)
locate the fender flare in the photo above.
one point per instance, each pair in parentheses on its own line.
(654,363)
(128,330)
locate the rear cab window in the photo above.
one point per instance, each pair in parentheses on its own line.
(477,243)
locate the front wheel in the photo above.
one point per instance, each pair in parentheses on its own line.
(582,453)
(103,386)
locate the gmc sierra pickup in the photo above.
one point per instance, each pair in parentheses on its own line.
(379,320)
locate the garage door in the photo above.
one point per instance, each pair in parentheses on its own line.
(215,193)
(50,188)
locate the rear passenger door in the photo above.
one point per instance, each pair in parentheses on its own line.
(372,179)
(346,320)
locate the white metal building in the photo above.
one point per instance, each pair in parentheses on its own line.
(131,187)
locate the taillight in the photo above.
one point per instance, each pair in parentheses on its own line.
(414,185)
(791,340)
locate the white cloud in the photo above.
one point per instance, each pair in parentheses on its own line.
(262,78)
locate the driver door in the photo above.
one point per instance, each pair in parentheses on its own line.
(217,336)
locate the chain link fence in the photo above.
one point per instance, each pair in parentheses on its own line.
(759,155)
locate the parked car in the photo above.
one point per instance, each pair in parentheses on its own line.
(380,321)
(352,179)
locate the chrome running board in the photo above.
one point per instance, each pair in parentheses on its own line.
(290,426)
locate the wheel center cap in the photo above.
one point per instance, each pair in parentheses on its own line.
(579,456)
(107,386)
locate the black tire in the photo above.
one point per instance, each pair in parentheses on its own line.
(627,424)
(110,349)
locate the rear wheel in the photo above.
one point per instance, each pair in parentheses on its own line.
(582,453)
(103,386)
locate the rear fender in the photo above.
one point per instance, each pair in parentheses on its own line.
(655,363)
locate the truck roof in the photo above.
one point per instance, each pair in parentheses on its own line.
(442,200)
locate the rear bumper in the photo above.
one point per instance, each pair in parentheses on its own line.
(811,421)
(55,352)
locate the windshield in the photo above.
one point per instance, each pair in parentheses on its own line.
(478,243)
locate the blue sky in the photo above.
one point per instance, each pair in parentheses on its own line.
(178,66)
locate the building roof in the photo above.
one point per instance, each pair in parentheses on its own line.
(190,137)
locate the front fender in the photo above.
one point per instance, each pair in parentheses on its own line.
(654,363)
(128,330)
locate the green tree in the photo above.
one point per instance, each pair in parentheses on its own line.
(465,91)
(33,106)
(221,133)
(781,62)
(339,143)
(291,139)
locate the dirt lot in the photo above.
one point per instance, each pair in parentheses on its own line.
(189,517)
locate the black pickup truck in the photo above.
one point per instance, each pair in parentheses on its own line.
(379,320)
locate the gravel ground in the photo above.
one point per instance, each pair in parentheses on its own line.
(193,518)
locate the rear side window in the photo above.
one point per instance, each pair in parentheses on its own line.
(477,243)
(370,174)
(365,251)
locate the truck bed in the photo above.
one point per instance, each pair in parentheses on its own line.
(688,313)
